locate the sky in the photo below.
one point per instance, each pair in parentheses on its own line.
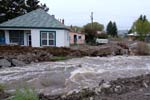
(77,12)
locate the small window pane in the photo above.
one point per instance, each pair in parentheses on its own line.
(44,42)
(79,37)
(51,36)
(51,42)
(44,35)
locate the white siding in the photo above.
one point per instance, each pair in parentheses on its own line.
(25,38)
(35,36)
(67,42)
(60,41)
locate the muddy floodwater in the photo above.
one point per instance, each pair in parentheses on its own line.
(64,76)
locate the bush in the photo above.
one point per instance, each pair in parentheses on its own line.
(59,58)
(25,94)
(143,49)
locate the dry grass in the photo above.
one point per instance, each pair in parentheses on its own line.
(143,49)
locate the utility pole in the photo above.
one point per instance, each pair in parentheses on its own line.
(92,19)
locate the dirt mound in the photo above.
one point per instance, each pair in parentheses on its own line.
(118,48)
(19,55)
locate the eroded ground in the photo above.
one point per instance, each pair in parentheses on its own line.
(74,74)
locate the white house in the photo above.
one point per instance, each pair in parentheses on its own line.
(35,29)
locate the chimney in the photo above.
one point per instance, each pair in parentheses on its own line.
(53,16)
(63,21)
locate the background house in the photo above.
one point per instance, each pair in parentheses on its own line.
(35,29)
(132,36)
(77,38)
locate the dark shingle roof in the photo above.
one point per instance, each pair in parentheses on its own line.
(35,19)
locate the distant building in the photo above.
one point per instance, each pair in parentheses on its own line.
(76,38)
(132,36)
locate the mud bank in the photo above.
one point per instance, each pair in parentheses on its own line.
(13,56)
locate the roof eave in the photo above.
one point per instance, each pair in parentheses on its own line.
(59,28)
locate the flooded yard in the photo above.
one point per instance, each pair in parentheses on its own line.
(61,77)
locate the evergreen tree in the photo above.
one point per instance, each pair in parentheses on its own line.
(109,28)
(13,8)
(32,5)
(10,9)
(112,29)
(44,7)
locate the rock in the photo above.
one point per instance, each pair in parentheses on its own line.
(118,89)
(4,96)
(4,63)
(21,57)
(106,85)
(16,62)
(1,57)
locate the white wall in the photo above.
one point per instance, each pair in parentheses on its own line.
(67,41)
(35,36)
(61,37)
(25,37)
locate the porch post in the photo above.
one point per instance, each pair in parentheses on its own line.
(7,37)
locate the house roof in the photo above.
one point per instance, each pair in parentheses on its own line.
(35,19)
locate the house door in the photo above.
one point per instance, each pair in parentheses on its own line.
(29,41)
(2,37)
(75,39)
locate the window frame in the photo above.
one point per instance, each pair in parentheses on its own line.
(48,38)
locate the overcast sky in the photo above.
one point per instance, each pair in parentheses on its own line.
(77,12)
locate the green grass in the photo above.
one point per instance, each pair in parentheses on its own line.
(2,87)
(25,94)
(59,58)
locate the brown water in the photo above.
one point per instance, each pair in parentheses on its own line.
(74,74)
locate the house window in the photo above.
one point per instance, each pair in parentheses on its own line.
(16,37)
(47,38)
(79,37)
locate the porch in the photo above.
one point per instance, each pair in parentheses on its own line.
(15,37)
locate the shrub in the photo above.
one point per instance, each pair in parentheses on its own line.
(25,94)
(59,58)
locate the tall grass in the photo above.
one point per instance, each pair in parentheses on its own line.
(25,94)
